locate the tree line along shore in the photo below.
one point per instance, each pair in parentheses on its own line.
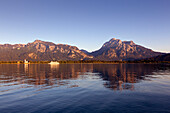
(66,62)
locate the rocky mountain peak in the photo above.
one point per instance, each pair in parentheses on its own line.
(41,43)
(129,42)
(38,41)
(117,42)
(115,49)
(114,39)
(113,42)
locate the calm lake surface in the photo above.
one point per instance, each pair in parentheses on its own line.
(32,88)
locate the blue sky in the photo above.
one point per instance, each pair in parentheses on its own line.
(86,24)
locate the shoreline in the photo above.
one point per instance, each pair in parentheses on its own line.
(102,62)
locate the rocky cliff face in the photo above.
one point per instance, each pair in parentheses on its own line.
(41,50)
(116,49)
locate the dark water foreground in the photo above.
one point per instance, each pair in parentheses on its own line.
(84,88)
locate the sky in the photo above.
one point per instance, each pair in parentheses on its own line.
(86,24)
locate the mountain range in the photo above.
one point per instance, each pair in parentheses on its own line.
(38,50)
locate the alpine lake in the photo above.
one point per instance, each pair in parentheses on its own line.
(84,88)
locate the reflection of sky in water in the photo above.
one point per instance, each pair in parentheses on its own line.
(89,86)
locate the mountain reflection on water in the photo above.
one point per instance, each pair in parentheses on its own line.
(114,76)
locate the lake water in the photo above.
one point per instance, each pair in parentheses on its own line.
(79,88)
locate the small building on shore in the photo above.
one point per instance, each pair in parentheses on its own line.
(54,62)
(26,62)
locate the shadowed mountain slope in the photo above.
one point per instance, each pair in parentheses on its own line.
(165,57)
